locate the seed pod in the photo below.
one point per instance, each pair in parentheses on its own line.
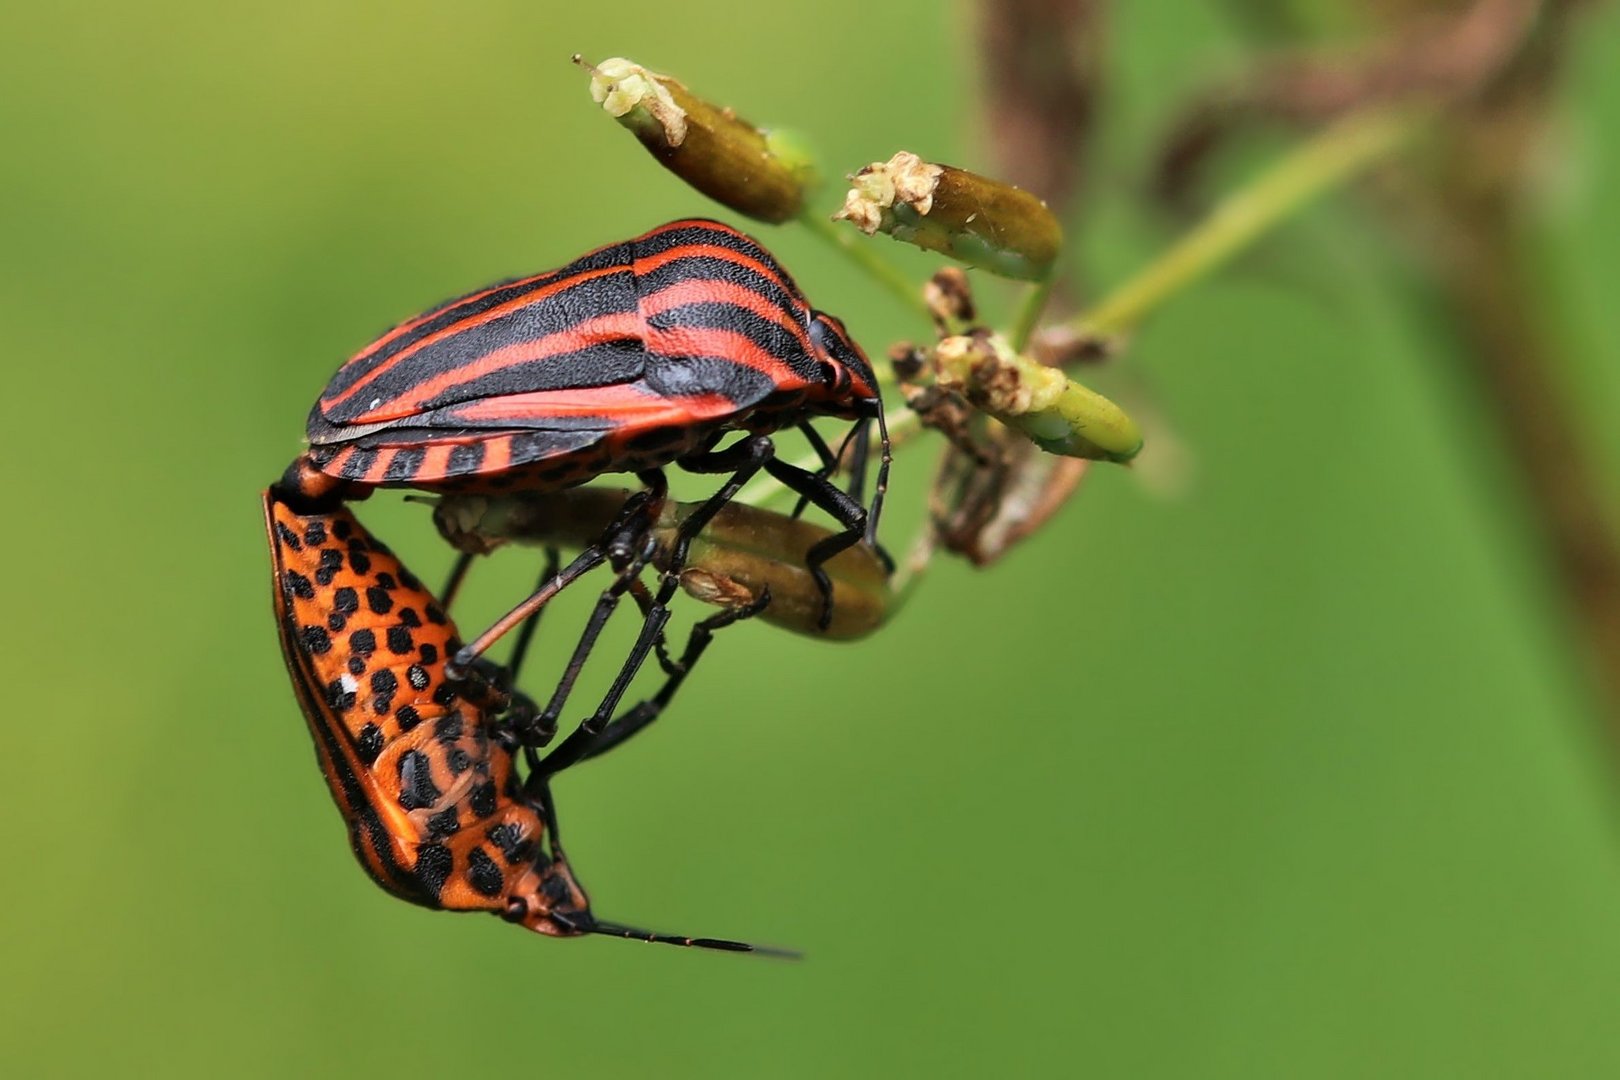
(980,221)
(742,552)
(764,174)
(983,505)
(1057,414)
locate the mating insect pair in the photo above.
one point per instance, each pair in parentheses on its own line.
(633,357)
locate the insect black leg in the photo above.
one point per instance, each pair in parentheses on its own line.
(742,459)
(885,459)
(580,739)
(464,659)
(859,458)
(818,445)
(522,722)
(538,790)
(626,531)
(605,606)
(829,460)
(636,718)
(844,509)
(646,603)
(520,648)
(458,574)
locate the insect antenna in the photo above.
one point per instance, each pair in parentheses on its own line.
(632,933)
(884,457)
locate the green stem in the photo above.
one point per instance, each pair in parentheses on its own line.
(870,262)
(1322,162)
(1328,159)
(1030,307)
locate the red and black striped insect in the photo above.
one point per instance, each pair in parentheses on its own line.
(638,355)
(635,356)
(421,766)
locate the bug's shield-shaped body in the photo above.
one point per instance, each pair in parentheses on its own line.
(434,809)
(626,359)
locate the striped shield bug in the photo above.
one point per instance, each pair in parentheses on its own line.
(421,766)
(637,355)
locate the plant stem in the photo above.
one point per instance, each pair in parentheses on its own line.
(1328,159)
(1319,164)
(871,263)
(1030,307)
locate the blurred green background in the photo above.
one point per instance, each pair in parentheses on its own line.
(1287,776)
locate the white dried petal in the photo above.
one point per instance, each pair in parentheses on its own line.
(904,178)
(620,85)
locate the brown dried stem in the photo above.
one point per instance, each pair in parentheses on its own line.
(1434,59)
(1493,64)
(1473,208)
(1043,62)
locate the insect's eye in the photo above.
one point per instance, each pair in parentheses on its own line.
(827,345)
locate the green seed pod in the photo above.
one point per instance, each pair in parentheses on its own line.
(1057,414)
(972,218)
(763,174)
(742,552)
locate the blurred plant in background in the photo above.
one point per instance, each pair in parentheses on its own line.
(1444,107)
(1284,775)
(1479,79)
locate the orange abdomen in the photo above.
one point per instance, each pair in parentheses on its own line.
(434,808)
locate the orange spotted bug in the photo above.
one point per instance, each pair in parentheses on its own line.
(421,766)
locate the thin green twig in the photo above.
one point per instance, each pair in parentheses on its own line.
(1320,163)
(861,254)
(1330,158)
(1030,307)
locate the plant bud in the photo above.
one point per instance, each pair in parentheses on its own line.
(972,218)
(740,554)
(1056,413)
(763,174)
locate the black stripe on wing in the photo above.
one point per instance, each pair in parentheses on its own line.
(712,233)
(785,347)
(713,268)
(555,315)
(682,376)
(469,305)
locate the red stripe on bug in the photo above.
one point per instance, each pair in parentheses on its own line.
(679,341)
(464,325)
(535,279)
(436,459)
(618,406)
(646,264)
(710,291)
(427,316)
(497,455)
(598,331)
(379,466)
(339,462)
